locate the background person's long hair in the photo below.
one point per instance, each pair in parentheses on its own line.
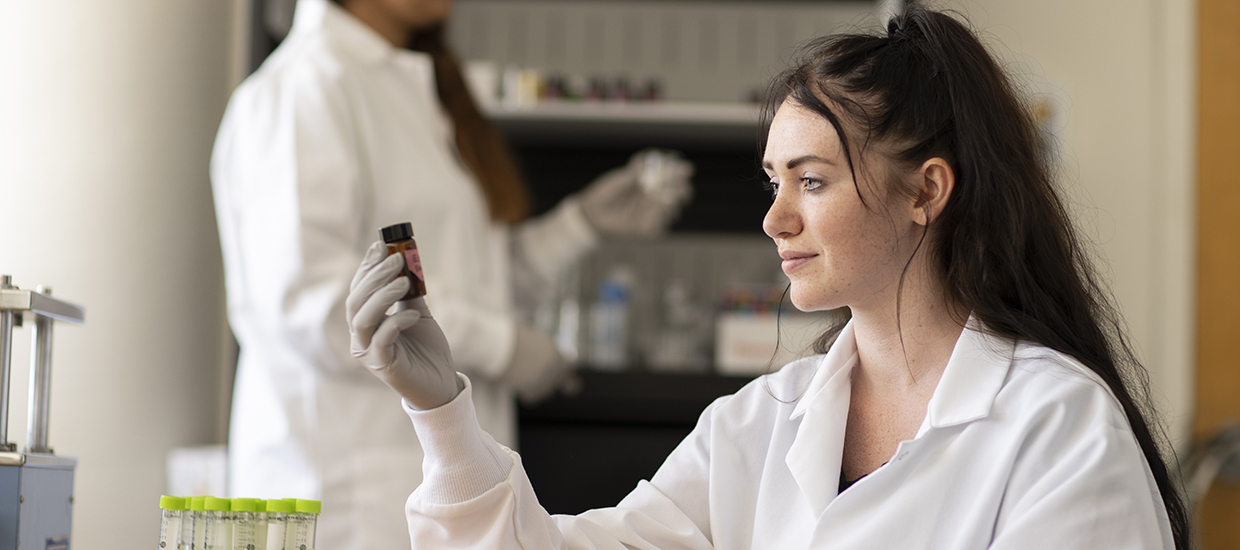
(1004,245)
(483,150)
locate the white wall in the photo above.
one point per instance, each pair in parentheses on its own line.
(107,115)
(1126,71)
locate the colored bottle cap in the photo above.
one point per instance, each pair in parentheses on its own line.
(309,506)
(213,504)
(171,503)
(244,504)
(197,504)
(398,232)
(260,505)
(281,506)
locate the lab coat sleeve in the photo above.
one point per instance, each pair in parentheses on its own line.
(544,247)
(1081,482)
(475,495)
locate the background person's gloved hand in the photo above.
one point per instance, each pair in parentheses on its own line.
(642,198)
(407,350)
(537,368)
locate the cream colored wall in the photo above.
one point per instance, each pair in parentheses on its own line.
(1125,73)
(107,115)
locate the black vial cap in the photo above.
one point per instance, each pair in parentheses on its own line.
(398,232)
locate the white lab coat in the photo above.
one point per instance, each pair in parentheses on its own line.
(335,136)
(1021,448)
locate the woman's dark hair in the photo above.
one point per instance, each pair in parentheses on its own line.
(483,150)
(1004,245)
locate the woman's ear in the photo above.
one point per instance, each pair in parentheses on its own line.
(935,181)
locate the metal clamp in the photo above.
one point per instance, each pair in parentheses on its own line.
(13,303)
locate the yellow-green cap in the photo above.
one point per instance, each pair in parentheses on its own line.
(281,506)
(171,503)
(213,504)
(244,504)
(197,503)
(260,505)
(309,506)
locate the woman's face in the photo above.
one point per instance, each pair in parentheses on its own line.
(835,250)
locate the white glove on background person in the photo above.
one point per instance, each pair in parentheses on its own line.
(406,350)
(537,368)
(642,198)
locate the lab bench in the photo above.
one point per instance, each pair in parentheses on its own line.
(588,450)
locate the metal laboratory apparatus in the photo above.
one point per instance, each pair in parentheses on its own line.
(36,486)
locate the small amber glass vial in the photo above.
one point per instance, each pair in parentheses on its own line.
(399,240)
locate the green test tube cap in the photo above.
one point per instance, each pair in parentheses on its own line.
(260,506)
(197,504)
(244,504)
(309,506)
(171,503)
(213,504)
(281,506)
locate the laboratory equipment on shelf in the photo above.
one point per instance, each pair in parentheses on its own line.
(36,486)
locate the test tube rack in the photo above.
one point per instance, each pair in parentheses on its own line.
(36,486)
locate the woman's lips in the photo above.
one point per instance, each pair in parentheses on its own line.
(793,261)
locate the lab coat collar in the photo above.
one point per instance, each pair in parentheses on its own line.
(973,376)
(353,35)
(972,379)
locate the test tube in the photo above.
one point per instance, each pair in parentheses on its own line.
(290,522)
(277,522)
(172,510)
(302,525)
(243,524)
(218,525)
(197,524)
(260,524)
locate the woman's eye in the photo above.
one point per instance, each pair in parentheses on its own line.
(811,184)
(772,186)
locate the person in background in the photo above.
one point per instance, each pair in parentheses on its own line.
(980,395)
(359,120)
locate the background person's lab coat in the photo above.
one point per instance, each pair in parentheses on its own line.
(335,136)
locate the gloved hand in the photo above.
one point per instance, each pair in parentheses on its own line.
(537,367)
(407,350)
(641,198)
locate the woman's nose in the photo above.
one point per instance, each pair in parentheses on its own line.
(782,219)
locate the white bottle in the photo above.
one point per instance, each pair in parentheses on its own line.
(609,322)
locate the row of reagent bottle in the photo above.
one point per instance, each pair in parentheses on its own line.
(209,523)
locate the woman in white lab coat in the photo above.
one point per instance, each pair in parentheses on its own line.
(981,395)
(340,132)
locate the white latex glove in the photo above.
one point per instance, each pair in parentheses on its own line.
(537,367)
(407,350)
(643,198)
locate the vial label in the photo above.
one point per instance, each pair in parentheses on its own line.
(414,262)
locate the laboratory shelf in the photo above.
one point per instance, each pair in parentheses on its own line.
(655,123)
(635,398)
(589,449)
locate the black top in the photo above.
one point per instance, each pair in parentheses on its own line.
(845,484)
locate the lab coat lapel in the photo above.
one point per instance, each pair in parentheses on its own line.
(815,456)
(971,380)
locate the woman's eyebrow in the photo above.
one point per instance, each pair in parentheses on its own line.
(800,160)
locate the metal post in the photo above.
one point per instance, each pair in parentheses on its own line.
(40,383)
(6,356)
